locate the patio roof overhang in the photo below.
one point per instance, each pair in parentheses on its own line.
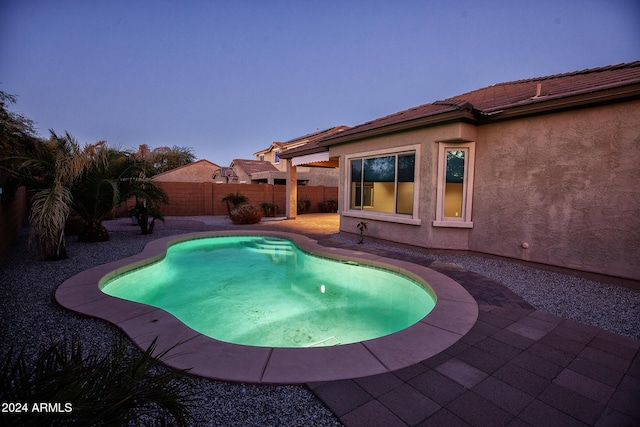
(310,158)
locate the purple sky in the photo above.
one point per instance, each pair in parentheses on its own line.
(227,78)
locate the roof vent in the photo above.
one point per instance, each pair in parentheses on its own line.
(538,91)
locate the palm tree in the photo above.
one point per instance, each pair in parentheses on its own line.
(96,195)
(111,179)
(51,169)
(91,181)
(148,197)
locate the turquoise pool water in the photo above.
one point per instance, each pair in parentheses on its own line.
(264,291)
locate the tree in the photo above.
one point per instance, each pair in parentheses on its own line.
(98,192)
(163,159)
(148,197)
(15,129)
(114,177)
(51,169)
(17,135)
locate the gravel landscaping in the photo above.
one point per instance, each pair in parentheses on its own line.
(612,308)
(30,315)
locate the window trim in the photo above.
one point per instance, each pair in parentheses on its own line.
(467,190)
(413,219)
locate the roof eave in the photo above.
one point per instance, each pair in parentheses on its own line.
(549,104)
(466,116)
(298,153)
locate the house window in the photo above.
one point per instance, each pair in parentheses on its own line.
(277,156)
(262,157)
(383,183)
(454,193)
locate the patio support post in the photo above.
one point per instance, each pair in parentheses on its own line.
(292,190)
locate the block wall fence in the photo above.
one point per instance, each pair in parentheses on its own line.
(13,215)
(205,198)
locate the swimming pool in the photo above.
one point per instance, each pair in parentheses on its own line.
(265,291)
(452,317)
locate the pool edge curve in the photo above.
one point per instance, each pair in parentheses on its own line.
(452,317)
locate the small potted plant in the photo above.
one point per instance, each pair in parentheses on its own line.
(361,226)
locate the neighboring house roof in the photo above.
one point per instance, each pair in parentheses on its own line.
(274,146)
(199,171)
(253,166)
(308,140)
(506,100)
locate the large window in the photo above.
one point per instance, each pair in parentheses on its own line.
(455,185)
(383,183)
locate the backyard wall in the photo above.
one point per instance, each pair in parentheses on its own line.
(13,215)
(205,198)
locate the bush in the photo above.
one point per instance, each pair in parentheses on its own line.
(269,209)
(234,201)
(328,206)
(246,214)
(119,387)
(303,206)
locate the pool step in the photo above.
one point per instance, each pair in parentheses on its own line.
(270,246)
(326,342)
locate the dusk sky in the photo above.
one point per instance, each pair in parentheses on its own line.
(227,78)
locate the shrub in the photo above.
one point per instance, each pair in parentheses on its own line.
(328,206)
(234,201)
(246,214)
(269,209)
(119,387)
(303,206)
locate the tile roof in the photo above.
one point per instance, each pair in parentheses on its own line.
(496,98)
(253,166)
(309,143)
(187,166)
(314,136)
(306,140)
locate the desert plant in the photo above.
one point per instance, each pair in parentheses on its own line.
(98,192)
(269,209)
(246,214)
(119,387)
(303,206)
(328,206)
(148,199)
(146,209)
(234,201)
(51,168)
(362,226)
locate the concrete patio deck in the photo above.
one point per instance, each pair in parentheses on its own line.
(515,366)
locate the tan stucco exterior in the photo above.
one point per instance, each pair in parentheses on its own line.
(565,184)
(200,171)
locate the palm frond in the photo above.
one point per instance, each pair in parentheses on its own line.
(49,211)
(117,387)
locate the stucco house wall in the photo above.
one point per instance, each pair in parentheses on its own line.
(565,184)
(418,232)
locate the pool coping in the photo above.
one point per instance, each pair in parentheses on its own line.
(455,312)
